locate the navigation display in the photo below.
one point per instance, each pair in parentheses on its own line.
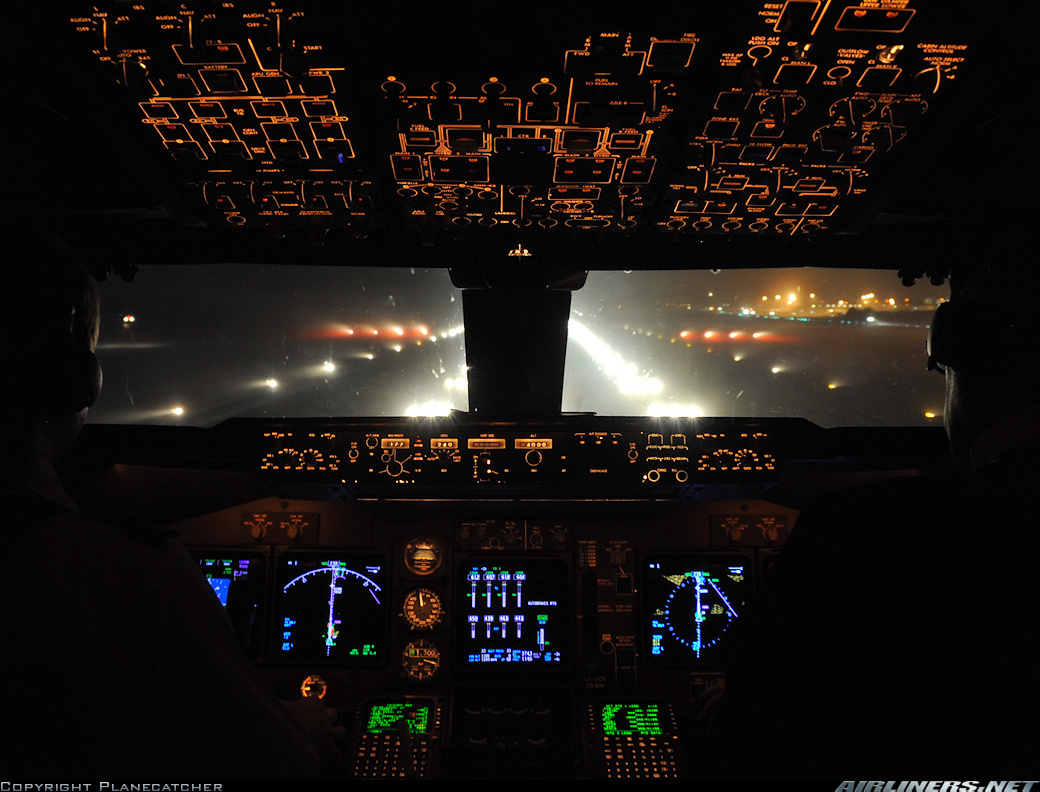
(331,607)
(513,611)
(689,603)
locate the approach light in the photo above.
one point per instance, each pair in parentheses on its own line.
(329,366)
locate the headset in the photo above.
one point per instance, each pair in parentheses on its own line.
(965,338)
(943,346)
(64,378)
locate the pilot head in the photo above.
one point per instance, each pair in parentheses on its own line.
(49,312)
(985,341)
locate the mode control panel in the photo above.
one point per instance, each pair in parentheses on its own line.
(641,455)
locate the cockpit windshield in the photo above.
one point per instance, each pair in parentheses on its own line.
(196,345)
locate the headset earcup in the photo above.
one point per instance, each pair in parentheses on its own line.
(71,383)
(944,345)
(93,378)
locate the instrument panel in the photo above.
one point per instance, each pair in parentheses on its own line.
(502,636)
(496,629)
(528,626)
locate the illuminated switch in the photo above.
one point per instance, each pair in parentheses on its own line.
(638,170)
(542,112)
(580,141)
(718,129)
(465,140)
(207,109)
(272,85)
(669,56)
(334,150)
(820,210)
(230,150)
(731,102)
(268,109)
(877,20)
(580,170)
(459,169)
(173,133)
(406,167)
(420,140)
(287,150)
(790,154)
(179,87)
(756,153)
(224,203)
(879,78)
(223,81)
(857,156)
(163,110)
(186,152)
(792,75)
(317,83)
(212,52)
(796,18)
(624,140)
(791,209)
(317,108)
(768,128)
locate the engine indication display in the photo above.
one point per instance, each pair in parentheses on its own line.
(515,613)
(691,600)
(331,608)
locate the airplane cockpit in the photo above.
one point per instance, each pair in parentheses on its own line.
(484,357)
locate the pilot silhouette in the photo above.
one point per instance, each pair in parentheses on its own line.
(895,637)
(119,659)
